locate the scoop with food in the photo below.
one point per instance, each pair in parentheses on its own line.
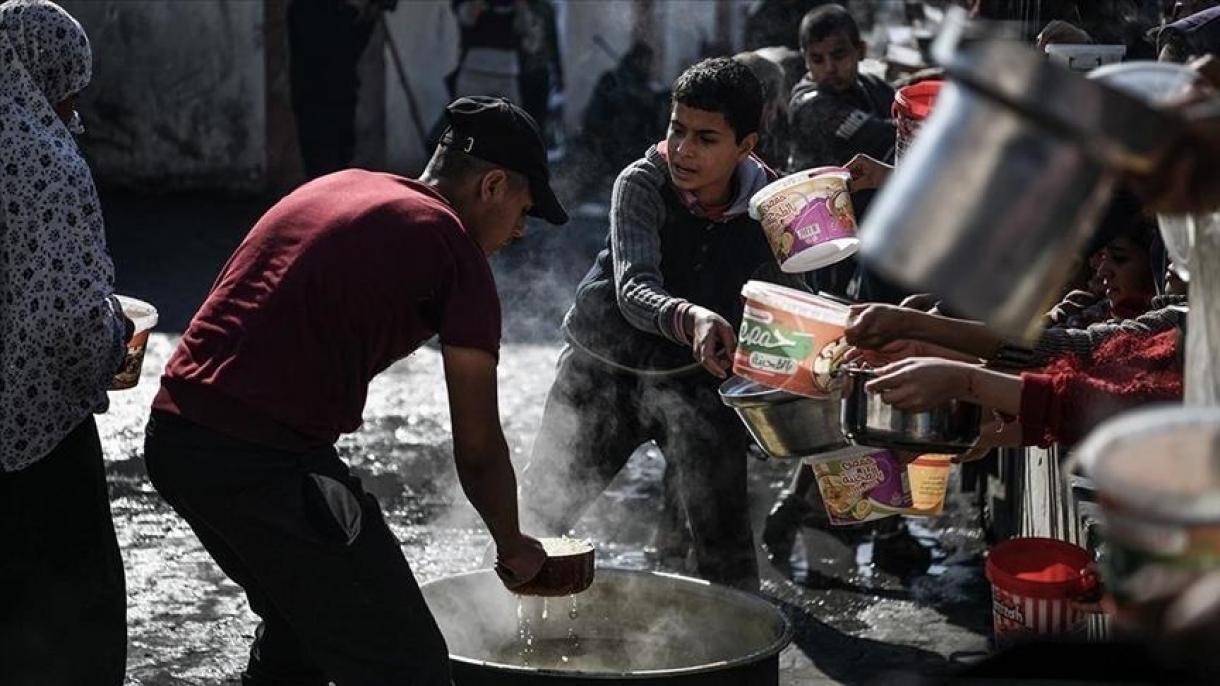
(568,568)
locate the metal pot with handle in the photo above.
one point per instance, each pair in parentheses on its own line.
(785,425)
(1003,187)
(949,428)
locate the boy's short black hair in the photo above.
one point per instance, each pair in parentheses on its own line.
(823,22)
(724,85)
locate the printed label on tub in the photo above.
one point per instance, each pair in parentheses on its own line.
(806,214)
(784,350)
(1015,617)
(862,484)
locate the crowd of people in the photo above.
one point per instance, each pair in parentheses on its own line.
(357,269)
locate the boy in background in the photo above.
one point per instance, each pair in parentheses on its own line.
(835,111)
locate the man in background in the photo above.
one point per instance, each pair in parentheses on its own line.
(325,41)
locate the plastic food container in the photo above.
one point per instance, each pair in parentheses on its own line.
(912,105)
(144,316)
(808,218)
(860,484)
(790,339)
(1085,57)
(929,477)
(1157,475)
(1034,582)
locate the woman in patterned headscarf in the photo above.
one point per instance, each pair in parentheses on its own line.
(62,337)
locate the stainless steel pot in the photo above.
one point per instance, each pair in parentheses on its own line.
(784,424)
(630,627)
(1002,189)
(950,428)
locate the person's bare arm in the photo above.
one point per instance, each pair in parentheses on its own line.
(901,350)
(873,326)
(483,466)
(921,383)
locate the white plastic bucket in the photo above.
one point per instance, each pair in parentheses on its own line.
(1085,57)
(1157,474)
(790,339)
(144,316)
(808,218)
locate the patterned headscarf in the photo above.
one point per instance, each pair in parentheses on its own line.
(61,337)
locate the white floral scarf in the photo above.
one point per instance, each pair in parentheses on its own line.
(61,336)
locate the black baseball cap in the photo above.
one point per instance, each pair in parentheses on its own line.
(497,131)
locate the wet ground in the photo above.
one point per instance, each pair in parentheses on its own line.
(863,612)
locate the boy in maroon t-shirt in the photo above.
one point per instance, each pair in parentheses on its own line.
(342,277)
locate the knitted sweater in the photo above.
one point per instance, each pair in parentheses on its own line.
(1064,402)
(1169,313)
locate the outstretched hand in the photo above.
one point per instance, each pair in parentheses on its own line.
(876,325)
(519,561)
(867,173)
(918,384)
(712,341)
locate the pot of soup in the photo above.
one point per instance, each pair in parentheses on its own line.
(629,627)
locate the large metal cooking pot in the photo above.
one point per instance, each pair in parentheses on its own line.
(630,627)
(949,428)
(1009,175)
(785,424)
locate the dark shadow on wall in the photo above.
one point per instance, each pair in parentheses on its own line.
(168,249)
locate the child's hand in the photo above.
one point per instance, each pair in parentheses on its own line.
(867,172)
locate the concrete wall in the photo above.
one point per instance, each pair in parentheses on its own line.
(689,25)
(583,61)
(184,91)
(426,35)
(178,91)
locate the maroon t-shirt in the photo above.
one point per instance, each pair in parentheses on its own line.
(338,280)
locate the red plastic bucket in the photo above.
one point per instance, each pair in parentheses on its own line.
(912,105)
(1033,584)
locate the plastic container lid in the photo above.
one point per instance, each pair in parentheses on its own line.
(794,179)
(932,460)
(1039,568)
(916,100)
(1152,82)
(1162,463)
(821,255)
(797,302)
(143,315)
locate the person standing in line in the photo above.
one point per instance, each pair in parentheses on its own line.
(63,614)
(325,40)
(539,57)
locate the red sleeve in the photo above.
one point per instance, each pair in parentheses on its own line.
(1037,394)
(1063,407)
(470,317)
